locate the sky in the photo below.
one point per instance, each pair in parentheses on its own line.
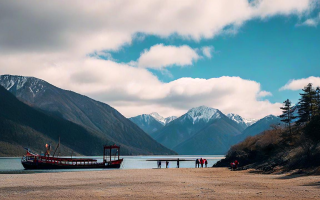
(239,56)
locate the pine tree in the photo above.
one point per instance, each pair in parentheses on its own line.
(306,105)
(317,100)
(287,113)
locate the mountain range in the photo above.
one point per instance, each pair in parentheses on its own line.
(97,118)
(258,127)
(204,130)
(151,123)
(245,123)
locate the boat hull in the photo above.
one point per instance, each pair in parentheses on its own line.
(35,161)
(41,165)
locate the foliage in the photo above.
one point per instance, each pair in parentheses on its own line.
(269,150)
(287,114)
(312,129)
(317,98)
(307,104)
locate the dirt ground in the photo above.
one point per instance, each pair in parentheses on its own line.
(207,183)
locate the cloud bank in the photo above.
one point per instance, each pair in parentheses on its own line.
(51,40)
(134,90)
(160,56)
(86,26)
(298,84)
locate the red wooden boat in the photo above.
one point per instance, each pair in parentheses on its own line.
(111,159)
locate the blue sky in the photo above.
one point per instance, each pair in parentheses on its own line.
(167,56)
(271,52)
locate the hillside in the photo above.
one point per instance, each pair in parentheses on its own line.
(258,127)
(277,150)
(22,126)
(101,120)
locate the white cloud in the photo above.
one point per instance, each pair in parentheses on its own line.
(311,22)
(264,93)
(83,26)
(103,55)
(51,40)
(160,56)
(298,84)
(267,8)
(207,51)
(134,91)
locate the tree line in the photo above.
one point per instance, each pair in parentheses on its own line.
(308,110)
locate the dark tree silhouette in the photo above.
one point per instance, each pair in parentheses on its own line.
(306,105)
(287,113)
(317,100)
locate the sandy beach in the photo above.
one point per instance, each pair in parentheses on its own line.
(212,183)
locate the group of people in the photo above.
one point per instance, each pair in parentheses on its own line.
(159,164)
(234,165)
(201,162)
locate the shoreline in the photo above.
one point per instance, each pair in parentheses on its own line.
(172,183)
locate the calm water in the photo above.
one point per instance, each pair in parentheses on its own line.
(13,165)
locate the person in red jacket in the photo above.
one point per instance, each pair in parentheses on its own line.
(232,166)
(236,164)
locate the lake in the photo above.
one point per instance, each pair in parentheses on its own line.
(13,165)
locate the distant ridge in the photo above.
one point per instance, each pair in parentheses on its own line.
(203,130)
(162,120)
(258,127)
(151,123)
(245,123)
(197,132)
(147,123)
(99,118)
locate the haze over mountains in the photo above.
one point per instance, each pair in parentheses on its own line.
(99,119)
(204,130)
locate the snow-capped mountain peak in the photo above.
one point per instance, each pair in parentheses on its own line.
(158,117)
(15,83)
(161,119)
(240,120)
(203,113)
(170,119)
(250,121)
(235,117)
(270,117)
